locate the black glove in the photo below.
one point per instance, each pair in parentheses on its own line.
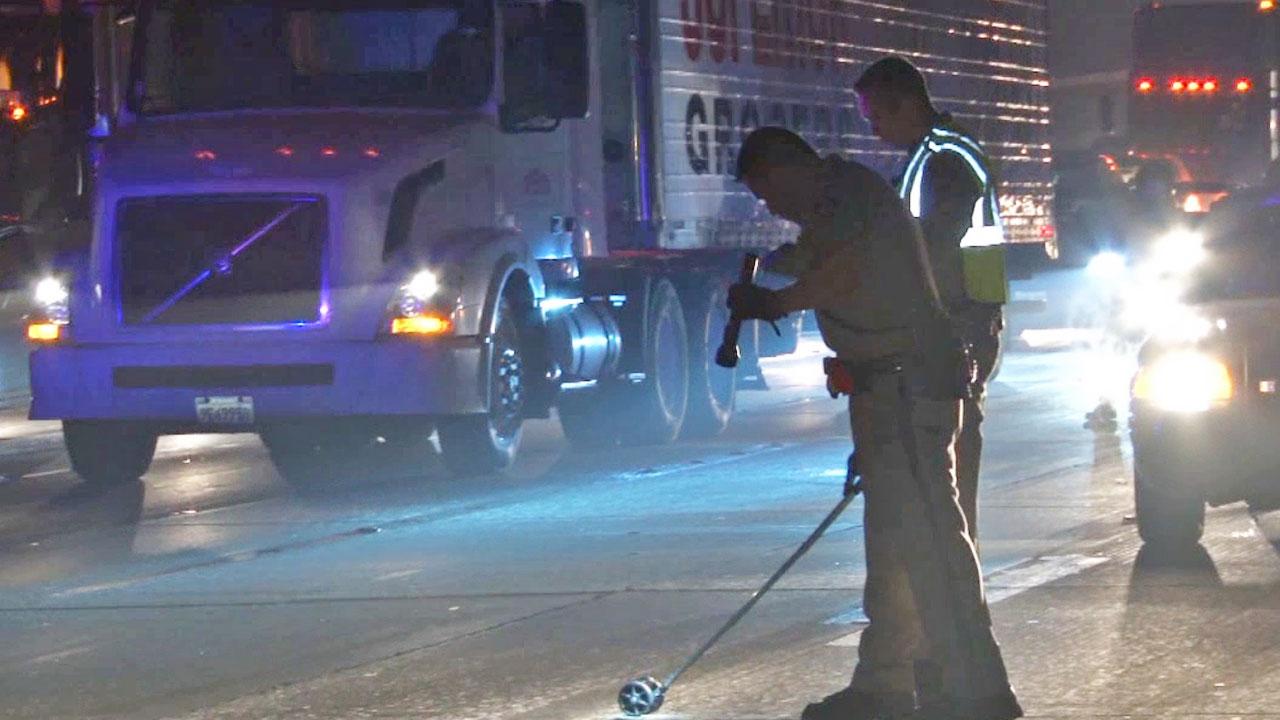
(752,302)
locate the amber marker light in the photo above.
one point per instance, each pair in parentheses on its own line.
(421,325)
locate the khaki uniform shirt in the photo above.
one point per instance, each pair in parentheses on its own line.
(860,263)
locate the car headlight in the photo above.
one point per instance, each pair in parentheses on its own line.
(1184,381)
(1107,264)
(1179,250)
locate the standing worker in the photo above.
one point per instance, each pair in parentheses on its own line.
(860,263)
(947,183)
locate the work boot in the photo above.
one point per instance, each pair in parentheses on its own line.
(851,704)
(995,707)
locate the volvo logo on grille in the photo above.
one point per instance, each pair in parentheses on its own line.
(222,266)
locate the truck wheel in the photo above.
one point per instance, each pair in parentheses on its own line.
(712,389)
(482,444)
(108,453)
(1169,518)
(657,406)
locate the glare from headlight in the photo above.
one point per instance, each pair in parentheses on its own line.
(51,291)
(1106,264)
(1184,381)
(423,285)
(1180,250)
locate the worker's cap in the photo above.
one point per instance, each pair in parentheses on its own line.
(771,147)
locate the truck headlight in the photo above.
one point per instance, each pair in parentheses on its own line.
(1184,381)
(51,291)
(52,311)
(412,311)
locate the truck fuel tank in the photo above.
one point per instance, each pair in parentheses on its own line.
(585,342)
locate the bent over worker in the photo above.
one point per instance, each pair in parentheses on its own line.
(860,263)
(947,183)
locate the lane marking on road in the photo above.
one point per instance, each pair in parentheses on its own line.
(397,575)
(1001,585)
(46,473)
(688,465)
(61,654)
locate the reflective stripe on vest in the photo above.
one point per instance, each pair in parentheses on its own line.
(982,246)
(985,229)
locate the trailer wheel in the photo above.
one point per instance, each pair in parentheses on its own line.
(712,389)
(108,453)
(657,405)
(483,444)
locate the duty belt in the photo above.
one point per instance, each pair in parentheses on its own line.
(850,377)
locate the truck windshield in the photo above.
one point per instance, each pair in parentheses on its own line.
(200,57)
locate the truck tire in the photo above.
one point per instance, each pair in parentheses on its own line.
(712,389)
(655,408)
(108,453)
(483,444)
(1169,518)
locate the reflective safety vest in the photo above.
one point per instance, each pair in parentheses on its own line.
(982,247)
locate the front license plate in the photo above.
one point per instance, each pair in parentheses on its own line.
(225,410)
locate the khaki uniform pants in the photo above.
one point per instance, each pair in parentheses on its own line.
(924,593)
(985,347)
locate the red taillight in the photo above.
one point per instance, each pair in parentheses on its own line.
(206,155)
(329,152)
(284,151)
(1210,85)
(18,113)
(1244,85)
(1177,86)
(1145,85)
(1193,86)
(1266,5)
(372,152)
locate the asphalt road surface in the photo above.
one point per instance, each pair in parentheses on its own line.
(215,590)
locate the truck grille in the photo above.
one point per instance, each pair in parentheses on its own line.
(221,260)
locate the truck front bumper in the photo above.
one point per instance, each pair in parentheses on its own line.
(160,383)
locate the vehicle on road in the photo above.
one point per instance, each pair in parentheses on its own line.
(335,223)
(1206,406)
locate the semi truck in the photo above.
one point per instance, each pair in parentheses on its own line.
(1202,80)
(345,221)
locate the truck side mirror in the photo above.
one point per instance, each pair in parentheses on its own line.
(546,70)
(567,61)
(101,128)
